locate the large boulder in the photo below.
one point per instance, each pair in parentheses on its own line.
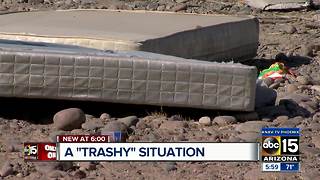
(69,119)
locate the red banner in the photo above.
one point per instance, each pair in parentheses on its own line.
(40,151)
(83,138)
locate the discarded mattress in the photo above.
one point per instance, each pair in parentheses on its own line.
(41,70)
(278,4)
(206,37)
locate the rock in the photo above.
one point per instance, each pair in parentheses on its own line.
(161,8)
(316,117)
(290,29)
(173,125)
(264,96)
(69,119)
(46,167)
(245,10)
(66,165)
(114,126)
(315,126)
(47,1)
(53,135)
(92,124)
(155,123)
(6,170)
(308,149)
(290,54)
(249,136)
(19,175)
(234,139)
(20,1)
(316,141)
(105,116)
(307,50)
(282,119)
(68,2)
(152,137)
(316,88)
(307,107)
(79,174)
(89,117)
(224,120)
(180,138)
(316,17)
(279,80)
(10,148)
(35,2)
(303,80)
(256,173)
(274,85)
(291,88)
(288,124)
(176,118)
(296,98)
(142,124)
(266,119)
(179,7)
(251,126)
(267,82)
(316,3)
(314,174)
(129,121)
(56,174)
(248,116)
(181,1)
(152,6)
(171,166)
(87,2)
(206,121)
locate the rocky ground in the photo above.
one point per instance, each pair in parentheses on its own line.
(291,37)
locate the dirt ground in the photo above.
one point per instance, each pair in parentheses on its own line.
(292,37)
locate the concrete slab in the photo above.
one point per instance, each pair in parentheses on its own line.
(40,70)
(207,37)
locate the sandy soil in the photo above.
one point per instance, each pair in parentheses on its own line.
(291,37)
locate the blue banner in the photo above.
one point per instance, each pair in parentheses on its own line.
(280,132)
(290,167)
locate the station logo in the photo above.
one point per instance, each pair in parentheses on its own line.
(30,151)
(39,151)
(271,146)
(280,144)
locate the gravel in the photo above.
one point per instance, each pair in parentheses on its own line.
(290,37)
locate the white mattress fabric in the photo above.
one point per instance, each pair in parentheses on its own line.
(206,37)
(41,70)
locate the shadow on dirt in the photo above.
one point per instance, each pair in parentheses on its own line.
(41,111)
(290,62)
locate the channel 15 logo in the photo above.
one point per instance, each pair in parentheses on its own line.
(30,151)
(280,144)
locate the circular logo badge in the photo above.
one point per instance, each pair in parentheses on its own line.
(271,145)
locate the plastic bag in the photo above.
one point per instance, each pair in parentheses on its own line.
(275,71)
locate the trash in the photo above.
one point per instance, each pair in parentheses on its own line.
(278,4)
(275,71)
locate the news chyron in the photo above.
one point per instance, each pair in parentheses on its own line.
(280,149)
